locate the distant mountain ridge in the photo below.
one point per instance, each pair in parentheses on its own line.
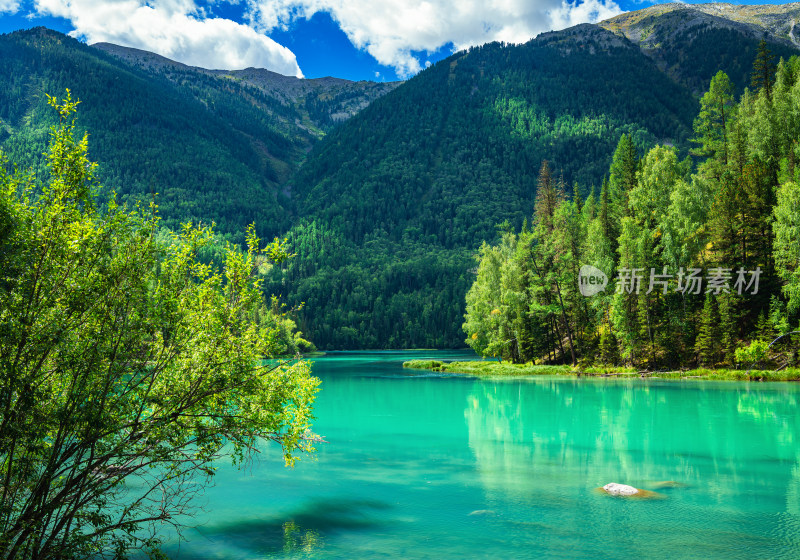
(324,101)
(777,21)
(673,34)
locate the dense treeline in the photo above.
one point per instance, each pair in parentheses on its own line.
(383,296)
(695,55)
(702,267)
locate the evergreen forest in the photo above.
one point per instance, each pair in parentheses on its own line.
(700,252)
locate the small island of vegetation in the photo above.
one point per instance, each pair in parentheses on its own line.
(483,368)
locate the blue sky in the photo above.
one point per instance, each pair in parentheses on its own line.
(353,39)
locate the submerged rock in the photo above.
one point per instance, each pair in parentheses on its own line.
(670,484)
(620,489)
(616,489)
(488,512)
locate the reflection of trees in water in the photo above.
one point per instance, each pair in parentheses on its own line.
(582,433)
(296,539)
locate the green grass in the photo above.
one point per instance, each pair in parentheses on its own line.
(506,369)
(488,368)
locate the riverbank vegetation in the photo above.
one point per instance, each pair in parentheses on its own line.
(701,267)
(128,365)
(509,369)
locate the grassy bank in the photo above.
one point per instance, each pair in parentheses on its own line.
(506,369)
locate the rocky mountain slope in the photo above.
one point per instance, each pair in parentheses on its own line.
(690,42)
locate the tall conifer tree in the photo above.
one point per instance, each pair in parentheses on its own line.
(763,76)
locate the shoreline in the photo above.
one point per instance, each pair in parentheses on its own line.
(506,369)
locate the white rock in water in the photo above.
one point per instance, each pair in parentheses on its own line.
(620,489)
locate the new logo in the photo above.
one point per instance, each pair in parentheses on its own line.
(591,280)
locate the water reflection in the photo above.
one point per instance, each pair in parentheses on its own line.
(420,467)
(299,533)
(727,454)
(297,539)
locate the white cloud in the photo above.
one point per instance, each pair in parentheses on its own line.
(9,6)
(390,30)
(589,11)
(175,29)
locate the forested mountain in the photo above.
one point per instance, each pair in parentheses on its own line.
(213,146)
(397,201)
(387,210)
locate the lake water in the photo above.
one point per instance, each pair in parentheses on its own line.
(424,466)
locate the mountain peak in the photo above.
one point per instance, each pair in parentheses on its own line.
(647,26)
(138,57)
(582,37)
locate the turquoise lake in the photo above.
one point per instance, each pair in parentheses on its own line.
(419,465)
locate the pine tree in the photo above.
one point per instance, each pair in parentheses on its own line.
(548,196)
(623,174)
(589,207)
(725,224)
(577,200)
(625,313)
(707,345)
(728,326)
(763,76)
(608,218)
(764,329)
(710,126)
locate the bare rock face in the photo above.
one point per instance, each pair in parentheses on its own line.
(616,489)
(663,22)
